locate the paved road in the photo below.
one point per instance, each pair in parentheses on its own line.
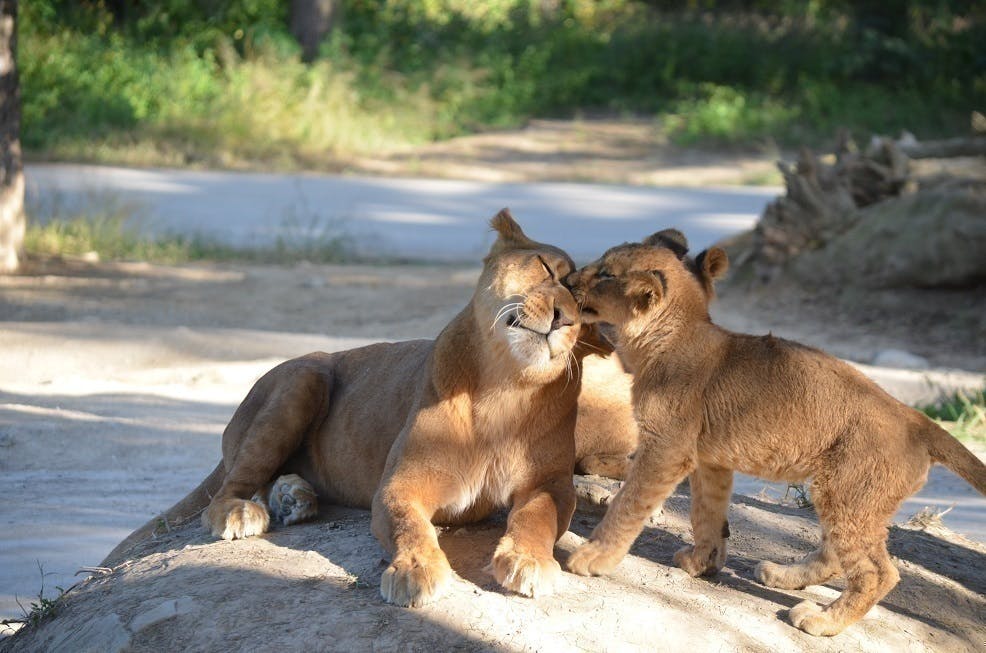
(413,218)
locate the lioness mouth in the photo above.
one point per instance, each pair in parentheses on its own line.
(513,322)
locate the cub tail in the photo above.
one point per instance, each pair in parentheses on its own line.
(181,513)
(951,453)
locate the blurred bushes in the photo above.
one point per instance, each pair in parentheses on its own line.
(217,81)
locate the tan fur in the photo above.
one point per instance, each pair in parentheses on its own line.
(709,401)
(479,418)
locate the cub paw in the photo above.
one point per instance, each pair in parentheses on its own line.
(812,619)
(700,562)
(772,574)
(292,499)
(593,559)
(236,519)
(413,580)
(522,572)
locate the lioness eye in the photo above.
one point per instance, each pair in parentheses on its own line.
(546,267)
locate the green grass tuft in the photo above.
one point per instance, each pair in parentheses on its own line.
(963,415)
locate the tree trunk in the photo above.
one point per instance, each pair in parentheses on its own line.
(311,20)
(11,168)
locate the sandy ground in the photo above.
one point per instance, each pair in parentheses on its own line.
(315,587)
(119,378)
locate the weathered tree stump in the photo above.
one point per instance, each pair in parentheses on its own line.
(827,202)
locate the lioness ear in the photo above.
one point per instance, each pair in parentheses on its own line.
(510,233)
(670,238)
(712,264)
(643,290)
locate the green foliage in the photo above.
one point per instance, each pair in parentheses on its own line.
(43,607)
(963,415)
(180,81)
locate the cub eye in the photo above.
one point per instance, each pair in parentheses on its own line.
(604,274)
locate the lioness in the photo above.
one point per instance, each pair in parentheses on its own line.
(709,401)
(479,418)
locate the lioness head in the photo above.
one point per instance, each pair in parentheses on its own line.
(636,283)
(530,318)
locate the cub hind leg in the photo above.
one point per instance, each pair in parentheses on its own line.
(870,575)
(817,567)
(267,428)
(711,488)
(854,512)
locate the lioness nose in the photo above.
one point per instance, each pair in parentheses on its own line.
(560,321)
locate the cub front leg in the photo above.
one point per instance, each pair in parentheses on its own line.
(657,468)
(419,572)
(711,488)
(524,559)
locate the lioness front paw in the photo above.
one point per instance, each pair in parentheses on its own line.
(700,562)
(413,580)
(292,499)
(593,559)
(524,573)
(236,519)
(814,620)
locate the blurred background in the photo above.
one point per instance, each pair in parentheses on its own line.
(310,84)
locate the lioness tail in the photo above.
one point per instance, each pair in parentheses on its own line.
(948,451)
(180,513)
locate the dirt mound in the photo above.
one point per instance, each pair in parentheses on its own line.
(315,587)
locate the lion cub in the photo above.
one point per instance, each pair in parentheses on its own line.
(709,402)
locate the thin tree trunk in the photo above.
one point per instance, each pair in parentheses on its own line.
(311,21)
(11,167)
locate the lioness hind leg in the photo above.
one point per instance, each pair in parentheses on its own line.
(290,499)
(711,488)
(815,568)
(234,519)
(267,428)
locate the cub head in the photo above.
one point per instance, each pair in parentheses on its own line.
(635,283)
(530,320)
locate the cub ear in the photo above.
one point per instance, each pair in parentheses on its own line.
(643,290)
(511,236)
(712,264)
(670,238)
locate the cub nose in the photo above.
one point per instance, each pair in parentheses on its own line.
(559,320)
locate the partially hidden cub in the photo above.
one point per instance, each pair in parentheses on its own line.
(709,402)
